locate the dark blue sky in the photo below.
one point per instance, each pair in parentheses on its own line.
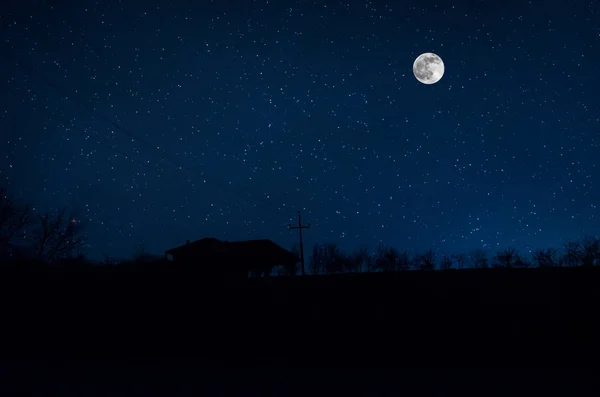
(223,118)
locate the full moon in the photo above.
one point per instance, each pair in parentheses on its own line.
(428,68)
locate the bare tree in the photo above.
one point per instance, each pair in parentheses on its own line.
(479,259)
(357,260)
(573,253)
(317,260)
(56,236)
(327,258)
(590,251)
(109,260)
(386,258)
(372,262)
(446,263)
(334,258)
(14,219)
(425,261)
(546,257)
(460,260)
(521,262)
(505,258)
(378,259)
(403,262)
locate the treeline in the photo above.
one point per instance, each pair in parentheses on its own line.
(55,237)
(327,258)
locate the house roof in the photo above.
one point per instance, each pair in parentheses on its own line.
(206,245)
(248,249)
(257,248)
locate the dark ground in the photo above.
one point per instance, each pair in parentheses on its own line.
(167,323)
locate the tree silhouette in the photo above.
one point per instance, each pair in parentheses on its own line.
(386,258)
(546,257)
(479,259)
(425,261)
(460,260)
(357,260)
(14,219)
(506,258)
(403,261)
(56,236)
(573,253)
(521,262)
(327,258)
(109,260)
(590,251)
(446,263)
(317,260)
(334,258)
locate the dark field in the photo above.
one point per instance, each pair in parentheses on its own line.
(488,317)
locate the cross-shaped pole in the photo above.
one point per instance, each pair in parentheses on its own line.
(300,227)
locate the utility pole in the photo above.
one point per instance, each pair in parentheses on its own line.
(300,227)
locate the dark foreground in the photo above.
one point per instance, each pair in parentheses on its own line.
(474,318)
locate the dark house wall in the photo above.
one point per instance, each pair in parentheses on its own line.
(211,256)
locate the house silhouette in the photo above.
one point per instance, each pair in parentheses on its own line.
(241,258)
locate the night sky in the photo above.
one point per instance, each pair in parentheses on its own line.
(160,122)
